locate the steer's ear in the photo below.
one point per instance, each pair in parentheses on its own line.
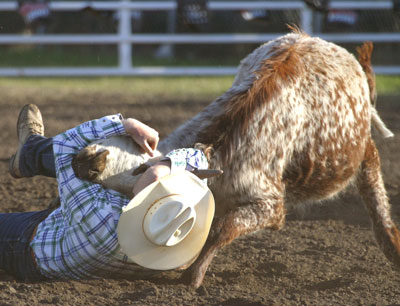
(89,164)
(208,150)
(97,164)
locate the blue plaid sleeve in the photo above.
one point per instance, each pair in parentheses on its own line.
(77,196)
(79,137)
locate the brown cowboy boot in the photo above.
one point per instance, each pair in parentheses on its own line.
(29,122)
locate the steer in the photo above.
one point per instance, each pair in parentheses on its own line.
(295,127)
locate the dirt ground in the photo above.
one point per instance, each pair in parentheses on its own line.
(325,255)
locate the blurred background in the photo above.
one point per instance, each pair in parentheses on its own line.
(324,256)
(239,27)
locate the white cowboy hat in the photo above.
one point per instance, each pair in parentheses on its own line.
(166,224)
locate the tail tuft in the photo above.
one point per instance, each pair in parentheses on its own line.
(379,124)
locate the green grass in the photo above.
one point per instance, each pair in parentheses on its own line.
(28,56)
(173,87)
(388,85)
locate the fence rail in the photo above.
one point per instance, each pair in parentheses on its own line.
(124,38)
(212,5)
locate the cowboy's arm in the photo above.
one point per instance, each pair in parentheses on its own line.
(176,160)
(114,125)
(80,199)
(73,140)
(145,136)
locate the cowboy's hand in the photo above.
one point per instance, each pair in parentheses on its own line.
(145,136)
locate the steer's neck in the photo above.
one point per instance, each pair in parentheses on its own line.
(186,134)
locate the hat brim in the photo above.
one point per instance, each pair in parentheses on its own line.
(133,240)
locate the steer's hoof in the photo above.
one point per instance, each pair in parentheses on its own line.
(89,164)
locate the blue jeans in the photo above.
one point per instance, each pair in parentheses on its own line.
(16,229)
(15,253)
(37,157)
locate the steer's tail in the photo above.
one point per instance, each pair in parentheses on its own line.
(364,57)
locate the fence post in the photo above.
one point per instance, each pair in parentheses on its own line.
(307,20)
(124,31)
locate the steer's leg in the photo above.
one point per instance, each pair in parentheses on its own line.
(372,190)
(266,213)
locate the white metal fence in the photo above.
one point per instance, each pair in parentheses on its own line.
(125,39)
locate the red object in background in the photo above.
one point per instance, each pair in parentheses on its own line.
(32,11)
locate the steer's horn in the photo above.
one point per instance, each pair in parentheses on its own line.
(207,173)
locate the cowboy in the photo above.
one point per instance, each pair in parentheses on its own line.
(97,232)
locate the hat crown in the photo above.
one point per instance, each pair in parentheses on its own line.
(169,220)
(173,236)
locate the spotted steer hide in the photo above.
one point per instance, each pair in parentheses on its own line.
(295,127)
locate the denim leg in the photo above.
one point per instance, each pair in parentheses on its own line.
(16,230)
(37,157)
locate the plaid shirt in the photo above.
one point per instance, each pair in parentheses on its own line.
(79,239)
